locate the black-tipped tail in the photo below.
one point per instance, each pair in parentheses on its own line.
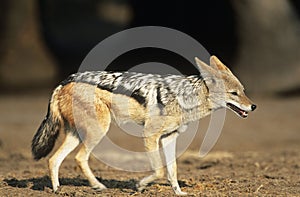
(44,139)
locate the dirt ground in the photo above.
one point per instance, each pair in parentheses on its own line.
(258,156)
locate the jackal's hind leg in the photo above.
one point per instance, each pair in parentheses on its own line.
(69,144)
(95,130)
(152,148)
(82,160)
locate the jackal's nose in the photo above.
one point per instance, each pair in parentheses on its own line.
(253,107)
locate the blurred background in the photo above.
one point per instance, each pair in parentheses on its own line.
(43,41)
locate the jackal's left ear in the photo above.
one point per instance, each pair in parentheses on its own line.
(217,64)
(206,71)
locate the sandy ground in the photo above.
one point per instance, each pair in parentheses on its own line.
(258,156)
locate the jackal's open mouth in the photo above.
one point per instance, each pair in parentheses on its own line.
(240,112)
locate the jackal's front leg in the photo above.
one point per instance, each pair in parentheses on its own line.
(169,149)
(152,148)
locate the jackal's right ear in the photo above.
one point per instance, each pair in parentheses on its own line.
(206,71)
(217,64)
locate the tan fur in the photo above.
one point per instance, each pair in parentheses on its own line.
(85,113)
(72,98)
(215,62)
(75,94)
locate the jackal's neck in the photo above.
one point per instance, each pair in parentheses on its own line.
(196,113)
(202,109)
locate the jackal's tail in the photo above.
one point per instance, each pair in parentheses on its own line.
(45,137)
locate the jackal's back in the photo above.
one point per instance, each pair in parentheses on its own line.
(147,89)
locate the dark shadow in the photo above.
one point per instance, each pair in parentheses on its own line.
(43,182)
(181,184)
(37,183)
(295,92)
(112,183)
(207,165)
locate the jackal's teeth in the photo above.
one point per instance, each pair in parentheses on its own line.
(237,110)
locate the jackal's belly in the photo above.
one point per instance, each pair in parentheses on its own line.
(124,109)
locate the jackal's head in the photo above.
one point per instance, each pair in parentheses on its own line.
(225,90)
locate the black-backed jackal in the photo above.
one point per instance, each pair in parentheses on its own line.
(164,105)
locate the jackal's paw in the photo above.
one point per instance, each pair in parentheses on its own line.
(140,187)
(178,191)
(99,187)
(181,193)
(56,189)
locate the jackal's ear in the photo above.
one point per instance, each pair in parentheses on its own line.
(217,64)
(206,71)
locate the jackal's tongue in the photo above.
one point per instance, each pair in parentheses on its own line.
(244,114)
(237,110)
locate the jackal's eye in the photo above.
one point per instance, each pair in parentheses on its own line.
(234,93)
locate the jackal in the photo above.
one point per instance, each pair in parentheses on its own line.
(162,104)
